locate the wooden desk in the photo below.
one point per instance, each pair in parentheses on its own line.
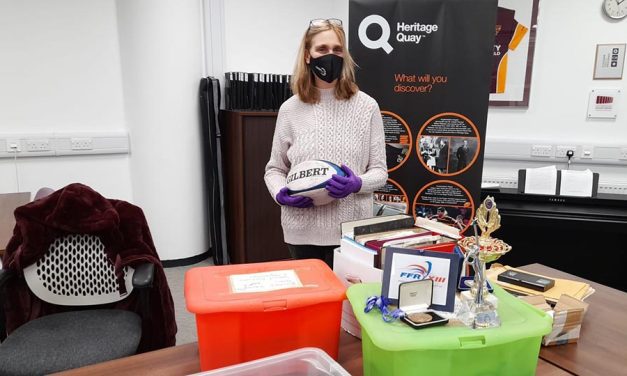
(601,350)
(183,360)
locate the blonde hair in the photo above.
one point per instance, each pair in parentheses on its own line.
(303,80)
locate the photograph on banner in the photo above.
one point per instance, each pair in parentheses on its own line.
(453,216)
(514,40)
(398,139)
(445,202)
(449,144)
(462,151)
(429,151)
(391,199)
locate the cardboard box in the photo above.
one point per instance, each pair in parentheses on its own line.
(351,270)
(567,318)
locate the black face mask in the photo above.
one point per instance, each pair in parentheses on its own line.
(327,68)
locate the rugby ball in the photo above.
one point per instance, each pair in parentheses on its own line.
(309,179)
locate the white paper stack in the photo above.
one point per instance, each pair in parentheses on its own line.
(576,183)
(542,181)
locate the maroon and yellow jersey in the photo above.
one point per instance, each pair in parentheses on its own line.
(509,34)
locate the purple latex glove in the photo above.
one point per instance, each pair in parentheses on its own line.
(284,198)
(342,186)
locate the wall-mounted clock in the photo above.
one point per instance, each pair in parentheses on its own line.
(616,9)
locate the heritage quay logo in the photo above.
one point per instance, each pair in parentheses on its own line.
(382,42)
(405,32)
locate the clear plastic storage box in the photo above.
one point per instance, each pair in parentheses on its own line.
(307,361)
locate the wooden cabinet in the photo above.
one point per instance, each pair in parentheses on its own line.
(253,219)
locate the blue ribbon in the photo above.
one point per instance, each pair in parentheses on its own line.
(381,303)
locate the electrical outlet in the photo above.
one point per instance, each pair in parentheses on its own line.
(42,144)
(14,146)
(623,154)
(541,150)
(560,150)
(81,143)
(586,152)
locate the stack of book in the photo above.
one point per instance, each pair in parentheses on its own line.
(567,315)
(565,295)
(578,290)
(256,91)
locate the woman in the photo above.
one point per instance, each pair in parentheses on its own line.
(328,118)
(441,161)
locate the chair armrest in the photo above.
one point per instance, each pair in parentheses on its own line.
(5,275)
(143,275)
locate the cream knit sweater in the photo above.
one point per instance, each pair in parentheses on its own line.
(346,132)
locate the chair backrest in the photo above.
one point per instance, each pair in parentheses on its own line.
(76,272)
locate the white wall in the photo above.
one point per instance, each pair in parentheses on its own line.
(60,66)
(567,35)
(264,36)
(160,43)
(60,72)
(65,66)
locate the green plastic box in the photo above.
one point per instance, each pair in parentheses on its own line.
(396,349)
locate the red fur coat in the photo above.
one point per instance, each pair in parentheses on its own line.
(122,228)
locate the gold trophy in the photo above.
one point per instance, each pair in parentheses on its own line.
(480,250)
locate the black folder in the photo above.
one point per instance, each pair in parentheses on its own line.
(209,95)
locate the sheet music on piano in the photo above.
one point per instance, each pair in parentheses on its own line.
(541,180)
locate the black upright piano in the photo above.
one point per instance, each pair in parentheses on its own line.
(586,237)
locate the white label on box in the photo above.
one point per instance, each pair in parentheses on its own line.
(266,281)
(405,268)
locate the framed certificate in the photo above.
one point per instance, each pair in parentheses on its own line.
(406,265)
(609,61)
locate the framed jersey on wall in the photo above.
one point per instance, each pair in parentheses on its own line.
(514,42)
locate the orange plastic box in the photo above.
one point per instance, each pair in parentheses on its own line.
(237,322)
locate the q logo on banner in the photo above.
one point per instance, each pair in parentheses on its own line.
(382,42)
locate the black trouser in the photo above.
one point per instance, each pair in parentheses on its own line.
(306,251)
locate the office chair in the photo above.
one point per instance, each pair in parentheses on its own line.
(75,272)
(76,275)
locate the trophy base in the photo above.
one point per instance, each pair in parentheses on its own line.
(478,316)
(485,316)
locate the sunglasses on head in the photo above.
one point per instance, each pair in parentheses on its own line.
(319,22)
